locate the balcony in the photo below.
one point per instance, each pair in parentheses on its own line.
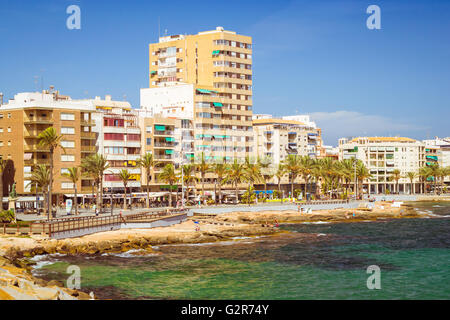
(164,157)
(87,123)
(164,145)
(35,148)
(88,135)
(38,120)
(88,149)
(33,162)
(164,133)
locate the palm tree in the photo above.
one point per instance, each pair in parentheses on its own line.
(252,173)
(189,177)
(220,170)
(347,170)
(40,178)
(203,167)
(292,167)
(235,176)
(51,140)
(435,172)
(96,165)
(264,164)
(306,166)
(362,173)
(125,176)
(73,175)
(425,173)
(411,176)
(281,171)
(396,175)
(2,169)
(169,175)
(148,163)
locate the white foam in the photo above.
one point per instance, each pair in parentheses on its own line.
(321,234)
(316,222)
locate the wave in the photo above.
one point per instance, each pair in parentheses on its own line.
(317,222)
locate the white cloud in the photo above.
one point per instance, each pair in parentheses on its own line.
(343,123)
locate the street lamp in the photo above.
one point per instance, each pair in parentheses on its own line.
(356,187)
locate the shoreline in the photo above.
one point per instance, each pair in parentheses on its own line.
(16,252)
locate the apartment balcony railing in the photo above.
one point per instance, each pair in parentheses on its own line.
(164,157)
(35,148)
(87,123)
(88,149)
(38,120)
(88,135)
(164,145)
(32,162)
(163,133)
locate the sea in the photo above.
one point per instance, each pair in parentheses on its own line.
(384,259)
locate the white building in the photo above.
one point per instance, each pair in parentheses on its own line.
(382,155)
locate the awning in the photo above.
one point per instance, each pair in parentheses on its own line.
(170,139)
(152,72)
(432,157)
(160,128)
(216,52)
(204,91)
(168,151)
(217,104)
(190,155)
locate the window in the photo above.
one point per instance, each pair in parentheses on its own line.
(133,137)
(1,130)
(9,143)
(1,143)
(114,136)
(64,170)
(68,144)
(67,158)
(67,116)
(67,130)
(9,115)
(149,141)
(9,129)
(67,185)
(1,115)
(148,129)
(113,150)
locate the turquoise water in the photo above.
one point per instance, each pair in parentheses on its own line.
(313,261)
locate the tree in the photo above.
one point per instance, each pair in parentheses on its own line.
(266,174)
(252,173)
(203,167)
(306,166)
(73,175)
(411,176)
(189,177)
(281,171)
(362,173)
(425,173)
(2,169)
(148,163)
(235,176)
(51,140)
(169,175)
(347,171)
(396,175)
(40,179)
(124,175)
(220,170)
(292,167)
(96,165)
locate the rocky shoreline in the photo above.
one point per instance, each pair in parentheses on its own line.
(16,281)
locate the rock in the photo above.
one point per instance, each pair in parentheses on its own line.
(19,294)
(46,293)
(5,296)
(55,283)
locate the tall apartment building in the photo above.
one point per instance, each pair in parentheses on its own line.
(277,138)
(438,151)
(119,141)
(382,155)
(205,78)
(23,118)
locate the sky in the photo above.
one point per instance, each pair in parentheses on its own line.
(309,57)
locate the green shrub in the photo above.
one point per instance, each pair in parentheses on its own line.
(249,196)
(7,216)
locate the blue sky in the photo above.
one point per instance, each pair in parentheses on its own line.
(315,57)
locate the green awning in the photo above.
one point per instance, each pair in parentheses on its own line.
(152,72)
(217,104)
(160,128)
(430,163)
(190,155)
(204,91)
(169,139)
(216,52)
(168,151)
(432,157)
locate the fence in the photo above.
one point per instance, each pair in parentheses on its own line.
(73,224)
